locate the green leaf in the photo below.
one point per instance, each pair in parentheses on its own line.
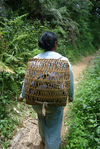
(4,67)
(98,130)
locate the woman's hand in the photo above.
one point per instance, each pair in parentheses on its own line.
(20,99)
(70,99)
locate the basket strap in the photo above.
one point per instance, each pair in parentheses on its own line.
(44,108)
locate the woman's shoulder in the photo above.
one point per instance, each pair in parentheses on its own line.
(48,54)
(51,54)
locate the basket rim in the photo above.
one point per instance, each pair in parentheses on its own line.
(46,59)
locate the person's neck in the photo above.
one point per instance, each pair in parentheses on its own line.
(54,50)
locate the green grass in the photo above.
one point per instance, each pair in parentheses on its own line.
(84,124)
(14,115)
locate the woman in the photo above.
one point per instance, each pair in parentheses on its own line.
(50,124)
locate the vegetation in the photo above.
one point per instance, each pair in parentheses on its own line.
(22,22)
(84,124)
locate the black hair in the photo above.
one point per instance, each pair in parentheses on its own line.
(47,41)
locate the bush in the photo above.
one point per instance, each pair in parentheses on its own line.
(85,112)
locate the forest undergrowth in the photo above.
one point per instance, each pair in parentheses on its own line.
(18,44)
(76,24)
(84,124)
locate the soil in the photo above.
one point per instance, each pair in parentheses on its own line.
(28,136)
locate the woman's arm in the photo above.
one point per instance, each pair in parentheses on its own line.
(71,93)
(22,95)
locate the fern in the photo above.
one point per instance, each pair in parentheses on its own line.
(4,67)
(17,20)
(56,13)
(20,37)
(11,59)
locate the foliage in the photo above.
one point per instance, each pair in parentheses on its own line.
(75,17)
(76,24)
(7,126)
(85,113)
(17,45)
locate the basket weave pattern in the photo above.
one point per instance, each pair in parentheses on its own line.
(47,80)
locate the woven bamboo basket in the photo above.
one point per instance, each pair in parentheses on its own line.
(47,80)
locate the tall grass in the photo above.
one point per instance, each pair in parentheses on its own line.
(84,125)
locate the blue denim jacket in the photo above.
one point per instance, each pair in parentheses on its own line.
(54,55)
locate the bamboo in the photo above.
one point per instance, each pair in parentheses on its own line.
(47,80)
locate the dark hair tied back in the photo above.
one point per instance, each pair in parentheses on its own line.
(47,41)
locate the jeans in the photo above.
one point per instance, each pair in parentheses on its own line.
(50,125)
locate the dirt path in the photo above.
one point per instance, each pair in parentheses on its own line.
(79,67)
(28,136)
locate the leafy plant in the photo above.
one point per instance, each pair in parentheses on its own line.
(85,114)
(76,24)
